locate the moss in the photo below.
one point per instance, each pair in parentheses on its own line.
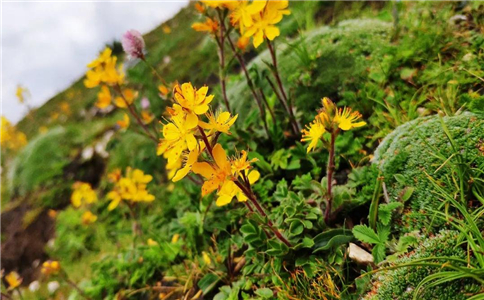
(400,283)
(407,154)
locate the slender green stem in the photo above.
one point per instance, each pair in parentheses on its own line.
(154,70)
(330,171)
(221,56)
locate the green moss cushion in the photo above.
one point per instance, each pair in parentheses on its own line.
(401,283)
(421,147)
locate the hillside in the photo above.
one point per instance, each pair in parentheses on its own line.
(375,175)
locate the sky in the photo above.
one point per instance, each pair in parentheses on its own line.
(46,45)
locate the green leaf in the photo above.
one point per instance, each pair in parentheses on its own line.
(208,282)
(366,234)
(408,193)
(378,253)
(307,242)
(385,211)
(400,178)
(296,228)
(331,239)
(265,293)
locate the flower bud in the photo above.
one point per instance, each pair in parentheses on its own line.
(133,44)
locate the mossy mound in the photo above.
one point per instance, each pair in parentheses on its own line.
(418,149)
(401,283)
(325,61)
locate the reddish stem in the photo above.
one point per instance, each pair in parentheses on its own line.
(221,43)
(330,171)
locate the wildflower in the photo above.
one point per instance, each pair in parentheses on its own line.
(172,167)
(124,123)
(147,117)
(131,188)
(145,103)
(166,29)
(83,193)
(175,238)
(206,258)
(103,97)
(220,4)
(263,23)
(243,42)
(52,213)
(215,174)
(191,99)
(34,286)
(88,218)
(103,70)
(53,286)
(21,92)
(346,119)
(241,164)
(220,123)
(13,279)
(313,133)
(242,13)
(210,26)
(10,138)
(190,160)
(65,108)
(115,175)
(126,99)
(151,242)
(133,43)
(163,90)
(230,190)
(50,267)
(199,8)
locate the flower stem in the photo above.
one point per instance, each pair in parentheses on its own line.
(281,87)
(249,82)
(117,88)
(221,56)
(330,171)
(261,211)
(153,70)
(74,285)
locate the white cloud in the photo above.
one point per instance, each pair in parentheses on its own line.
(46,45)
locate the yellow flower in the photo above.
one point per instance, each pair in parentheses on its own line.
(175,238)
(220,123)
(206,258)
(242,13)
(13,279)
(65,108)
(163,90)
(173,167)
(209,26)
(230,190)
(103,70)
(243,42)
(83,193)
(129,96)
(21,93)
(50,267)
(124,123)
(263,23)
(52,213)
(313,133)
(199,8)
(88,218)
(103,97)
(132,188)
(346,119)
(166,29)
(115,175)
(151,242)
(10,138)
(241,164)
(147,117)
(178,134)
(215,174)
(191,99)
(43,129)
(220,4)
(191,158)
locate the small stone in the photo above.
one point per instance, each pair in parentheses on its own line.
(360,256)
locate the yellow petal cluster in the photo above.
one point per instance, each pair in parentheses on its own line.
(210,26)
(13,279)
(10,138)
(130,188)
(82,194)
(103,70)
(330,119)
(88,218)
(50,267)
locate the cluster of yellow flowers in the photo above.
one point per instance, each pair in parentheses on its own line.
(330,119)
(82,194)
(50,267)
(254,19)
(10,138)
(186,136)
(103,71)
(131,188)
(13,279)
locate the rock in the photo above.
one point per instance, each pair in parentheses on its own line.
(360,256)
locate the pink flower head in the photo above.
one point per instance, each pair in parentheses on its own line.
(145,103)
(133,43)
